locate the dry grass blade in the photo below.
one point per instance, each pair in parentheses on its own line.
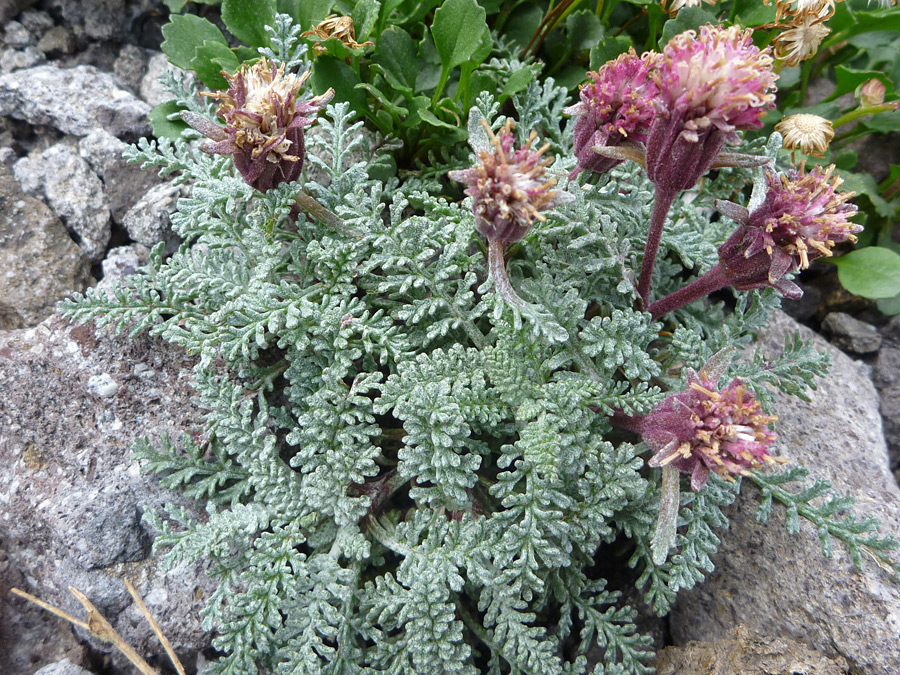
(156,629)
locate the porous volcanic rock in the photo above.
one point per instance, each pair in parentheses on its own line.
(781,584)
(74,401)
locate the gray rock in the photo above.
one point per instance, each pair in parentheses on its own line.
(781,584)
(64,667)
(125,183)
(20,59)
(73,191)
(851,335)
(149,220)
(74,100)
(114,535)
(152,90)
(130,66)
(36,21)
(886,374)
(57,41)
(16,35)
(108,20)
(10,8)
(8,156)
(40,262)
(66,475)
(744,654)
(121,262)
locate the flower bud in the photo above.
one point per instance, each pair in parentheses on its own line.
(872,92)
(507,186)
(615,107)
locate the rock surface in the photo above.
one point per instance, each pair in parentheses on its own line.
(66,182)
(121,262)
(64,667)
(70,497)
(746,654)
(149,220)
(73,100)
(851,335)
(40,262)
(886,373)
(124,183)
(781,584)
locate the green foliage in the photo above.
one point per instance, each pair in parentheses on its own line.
(830,515)
(871,272)
(401,472)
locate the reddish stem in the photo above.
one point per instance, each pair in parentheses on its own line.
(661,204)
(710,282)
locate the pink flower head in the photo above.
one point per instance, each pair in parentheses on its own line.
(710,87)
(507,186)
(615,107)
(704,429)
(264,119)
(802,218)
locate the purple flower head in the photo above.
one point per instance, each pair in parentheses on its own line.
(802,218)
(507,186)
(710,87)
(707,429)
(264,119)
(615,107)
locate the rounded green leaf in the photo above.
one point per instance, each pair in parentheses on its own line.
(458,29)
(872,272)
(184,34)
(247,20)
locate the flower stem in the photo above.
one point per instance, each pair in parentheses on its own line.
(661,205)
(497,268)
(710,282)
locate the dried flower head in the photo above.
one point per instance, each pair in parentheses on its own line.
(800,41)
(507,186)
(338,27)
(706,429)
(802,218)
(615,107)
(810,134)
(672,7)
(264,119)
(710,86)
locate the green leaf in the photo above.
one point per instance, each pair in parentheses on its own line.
(184,34)
(609,48)
(689,18)
(311,12)
(162,126)
(848,79)
(247,20)
(884,122)
(516,83)
(430,118)
(889,306)
(211,59)
(584,30)
(364,16)
(753,13)
(458,31)
(396,58)
(340,76)
(522,23)
(872,272)
(864,184)
(175,6)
